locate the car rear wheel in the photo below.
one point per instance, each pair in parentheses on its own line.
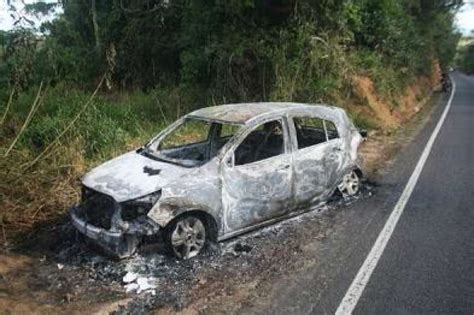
(350,184)
(186,236)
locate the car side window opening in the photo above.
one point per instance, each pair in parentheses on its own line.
(222,134)
(265,141)
(309,131)
(331,130)
(227,131)
(313,130)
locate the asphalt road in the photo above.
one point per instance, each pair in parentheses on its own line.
(428,264)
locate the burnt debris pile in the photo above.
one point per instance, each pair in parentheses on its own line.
(154,278)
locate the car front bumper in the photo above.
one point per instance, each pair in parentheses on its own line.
(117,243)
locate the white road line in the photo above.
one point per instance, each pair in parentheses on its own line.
(357,287)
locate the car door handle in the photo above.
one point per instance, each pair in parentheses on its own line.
(336,149)
(285,167)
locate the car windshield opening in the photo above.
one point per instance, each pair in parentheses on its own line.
(193,142)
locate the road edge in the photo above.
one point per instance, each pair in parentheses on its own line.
(353,294)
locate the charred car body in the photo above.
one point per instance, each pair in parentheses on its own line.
(218,172)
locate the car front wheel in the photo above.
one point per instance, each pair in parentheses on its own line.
(186,236)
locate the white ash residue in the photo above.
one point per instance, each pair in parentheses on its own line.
(135,283)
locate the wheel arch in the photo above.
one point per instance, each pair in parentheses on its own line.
(358,171)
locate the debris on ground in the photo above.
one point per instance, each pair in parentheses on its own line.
(141,284)
(152,278)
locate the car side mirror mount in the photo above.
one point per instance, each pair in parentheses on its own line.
(363,133)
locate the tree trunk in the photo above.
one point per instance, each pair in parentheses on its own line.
(95,24)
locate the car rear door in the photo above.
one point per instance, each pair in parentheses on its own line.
(317,158)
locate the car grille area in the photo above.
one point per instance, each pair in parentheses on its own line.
(97,209)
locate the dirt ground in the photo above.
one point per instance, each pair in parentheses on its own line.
(54,271)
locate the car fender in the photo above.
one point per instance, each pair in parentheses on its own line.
(197,191)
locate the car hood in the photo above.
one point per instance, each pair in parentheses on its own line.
(132,175)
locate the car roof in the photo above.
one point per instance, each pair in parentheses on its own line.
(242,113)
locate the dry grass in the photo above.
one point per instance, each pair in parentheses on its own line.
(38,194)
(39,187)
(39,184)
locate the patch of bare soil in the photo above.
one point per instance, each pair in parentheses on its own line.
(381,146)
(384,113)
(55,271)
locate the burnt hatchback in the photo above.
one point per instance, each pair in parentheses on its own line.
(219,172)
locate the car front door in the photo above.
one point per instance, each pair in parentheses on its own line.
(317,159)
(257,176)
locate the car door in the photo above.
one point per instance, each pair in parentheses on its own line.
(257,176)
(338,154)
(317,158)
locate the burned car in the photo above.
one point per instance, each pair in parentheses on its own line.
(219,172)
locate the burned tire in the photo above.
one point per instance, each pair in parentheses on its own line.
(186,236)
(350,184)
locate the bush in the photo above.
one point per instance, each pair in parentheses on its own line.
(467,58)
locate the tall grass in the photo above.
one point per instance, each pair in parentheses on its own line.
(64,137)
(110,125)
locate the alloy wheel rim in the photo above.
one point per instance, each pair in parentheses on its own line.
(188,237)
(350,184)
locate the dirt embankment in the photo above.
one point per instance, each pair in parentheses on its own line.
(394,121)
(390,114)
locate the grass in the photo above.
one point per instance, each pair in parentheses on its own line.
(65,147)
(50,137)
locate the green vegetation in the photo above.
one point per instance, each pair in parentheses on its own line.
(154,60)
(465,58)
